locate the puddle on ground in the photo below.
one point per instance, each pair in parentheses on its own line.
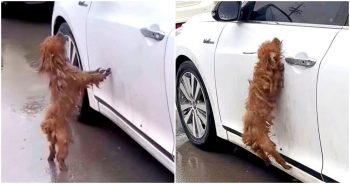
(34,105)
(33,60)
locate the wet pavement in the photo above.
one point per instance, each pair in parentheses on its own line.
(225,163)
(100,153)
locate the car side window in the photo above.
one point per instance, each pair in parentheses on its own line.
(315,12)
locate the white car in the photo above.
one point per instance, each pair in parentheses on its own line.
(136,40)
(215,57)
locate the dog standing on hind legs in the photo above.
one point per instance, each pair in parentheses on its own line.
(67,84)
(264,89)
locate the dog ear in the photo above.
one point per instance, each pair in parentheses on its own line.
(276,41)
(46,58)
(43,56)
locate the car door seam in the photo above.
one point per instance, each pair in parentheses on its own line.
(166,93)
(318,125)
(216,90)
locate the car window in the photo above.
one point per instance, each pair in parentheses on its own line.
(316,12)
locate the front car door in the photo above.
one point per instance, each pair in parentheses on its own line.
(130,37)
(306,30)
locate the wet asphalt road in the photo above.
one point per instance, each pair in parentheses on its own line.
(225,163)
(100,153)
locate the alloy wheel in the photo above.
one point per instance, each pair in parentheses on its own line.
(71,52)
(193,105)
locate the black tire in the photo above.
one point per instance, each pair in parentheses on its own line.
(85,111)
(208,139)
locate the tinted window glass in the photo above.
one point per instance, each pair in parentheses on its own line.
(316,12)
(228,10)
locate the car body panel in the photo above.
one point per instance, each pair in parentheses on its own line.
(333,108)
(134,96)
(136,87)
(295,129)
(73,14)
(294,171)
(190,44)
(139,138)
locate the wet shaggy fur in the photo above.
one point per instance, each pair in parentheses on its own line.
(264,89)
(67,84)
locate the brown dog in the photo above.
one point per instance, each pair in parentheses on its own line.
(263,92)
(67,83)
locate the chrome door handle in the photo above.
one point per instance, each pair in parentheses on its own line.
(249,52)
(157,35)
(301,62)
(82,3)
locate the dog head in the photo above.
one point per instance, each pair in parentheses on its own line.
(270,52)
(52,53)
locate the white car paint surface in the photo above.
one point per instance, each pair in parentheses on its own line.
(311,125)
(136,95)
(333,109)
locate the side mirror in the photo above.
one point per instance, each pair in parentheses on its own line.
(227,11)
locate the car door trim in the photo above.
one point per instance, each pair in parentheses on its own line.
(150,140)
(295,163)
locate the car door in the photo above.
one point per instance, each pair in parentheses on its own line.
(130,37)
(306,30)
(333,108)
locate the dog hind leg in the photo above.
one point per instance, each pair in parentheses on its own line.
(62,143)
(268,147)
(48,128)
(52,146)
(258,150)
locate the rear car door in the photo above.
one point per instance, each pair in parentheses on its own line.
(130,37)
(306,30)
(333,108)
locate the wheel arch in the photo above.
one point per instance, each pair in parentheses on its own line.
(183,54)
(180,59)
(58,21)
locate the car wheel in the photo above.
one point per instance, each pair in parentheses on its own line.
(85,111)
(194,106)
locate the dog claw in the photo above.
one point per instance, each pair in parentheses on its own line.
(98,70)
(102,71)
(108,72)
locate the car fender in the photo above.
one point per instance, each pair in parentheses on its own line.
(76,20)
(202,54)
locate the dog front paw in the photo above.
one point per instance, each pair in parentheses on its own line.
(107,72)
(98,70)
